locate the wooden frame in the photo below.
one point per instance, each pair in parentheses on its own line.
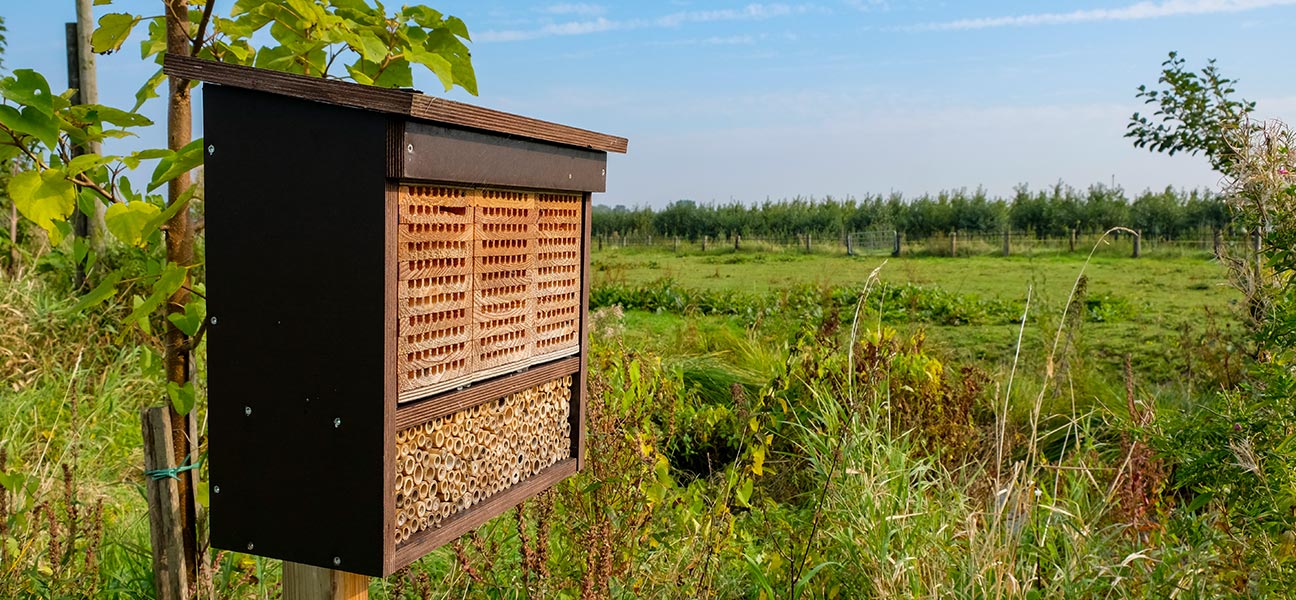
(319,453)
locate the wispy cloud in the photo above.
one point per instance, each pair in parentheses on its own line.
(750,12)
(1133,12)
(574,8)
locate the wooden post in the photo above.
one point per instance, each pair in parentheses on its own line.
(1138,243)
(954,243)
(600,243)
(1007,245)
(895,251)
(304,582)
(1073,240)
(1217,241)
(677,244)
(849,251)
(807,243)
(704,242)
(166,523)
(89,93)
(80,222)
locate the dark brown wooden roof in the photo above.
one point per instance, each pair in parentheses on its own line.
(386,100)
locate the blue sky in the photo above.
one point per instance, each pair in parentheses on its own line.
(746,101)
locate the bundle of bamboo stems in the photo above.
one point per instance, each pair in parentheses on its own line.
(451,463)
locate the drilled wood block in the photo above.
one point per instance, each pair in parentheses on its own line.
(449,464)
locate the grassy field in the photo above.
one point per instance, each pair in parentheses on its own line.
(1154,309)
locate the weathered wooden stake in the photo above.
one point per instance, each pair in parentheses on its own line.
(166,531)
(1138,243)
(954,243)
(704,242)
(807,243)
(849,251)
(737,242)
(677,244)
(1073,240)
(895,252)
(1007,245)
(304,582)
(1217,242)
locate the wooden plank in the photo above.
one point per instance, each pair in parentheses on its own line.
(414,413)
(463,522)
(165,532)
(392,369)
(392,101)
(304,582)
(435,152)
(579,397)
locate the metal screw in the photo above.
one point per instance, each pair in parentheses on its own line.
(337,422)
(337,560)
(250,546)
(211,149)
(215,489)
(603,172)
(247,410)
(409,148)
(213,320)
(569,176)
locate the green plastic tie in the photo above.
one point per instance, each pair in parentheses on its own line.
(173,472)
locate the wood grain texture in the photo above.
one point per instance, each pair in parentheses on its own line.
(391,364)
(390,101)
(580,394)
(422,411)
(457,525)
(165,532)
(304,582)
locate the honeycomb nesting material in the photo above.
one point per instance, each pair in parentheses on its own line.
(451,463)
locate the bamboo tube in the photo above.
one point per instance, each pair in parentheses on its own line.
(407,466)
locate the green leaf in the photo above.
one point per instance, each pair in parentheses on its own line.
(28,88)
(101,292)
(32,122)
(129,222)
(743,492)
(202,494)
(371,47)
(44,197)
(396,75)
(182,396)
(133,160)
(97,113)
(190,320)
(149,89)
(173,166)
(166,284)
(87,162)
(156,40)
(457,27)
(113,30)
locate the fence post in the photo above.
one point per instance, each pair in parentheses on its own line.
(1217,241)
(677,244)
(1073,240)
(304,582)
(170,570)
(849,250)
(1138,243)
(954,243)
(704,241)
(895,252)
(737,242)
(1007,242)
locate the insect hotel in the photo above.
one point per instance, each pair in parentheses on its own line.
(398,290)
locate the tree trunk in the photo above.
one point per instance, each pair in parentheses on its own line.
(180,251)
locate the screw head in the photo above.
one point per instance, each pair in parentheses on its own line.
(215,489)
(337,422)
(211,149)
(337,560)
(250,546)
(409,148)
(212,320)
(247,411)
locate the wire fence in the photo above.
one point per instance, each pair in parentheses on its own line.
(892,243)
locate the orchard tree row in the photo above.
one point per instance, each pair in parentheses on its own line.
(1052,212)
